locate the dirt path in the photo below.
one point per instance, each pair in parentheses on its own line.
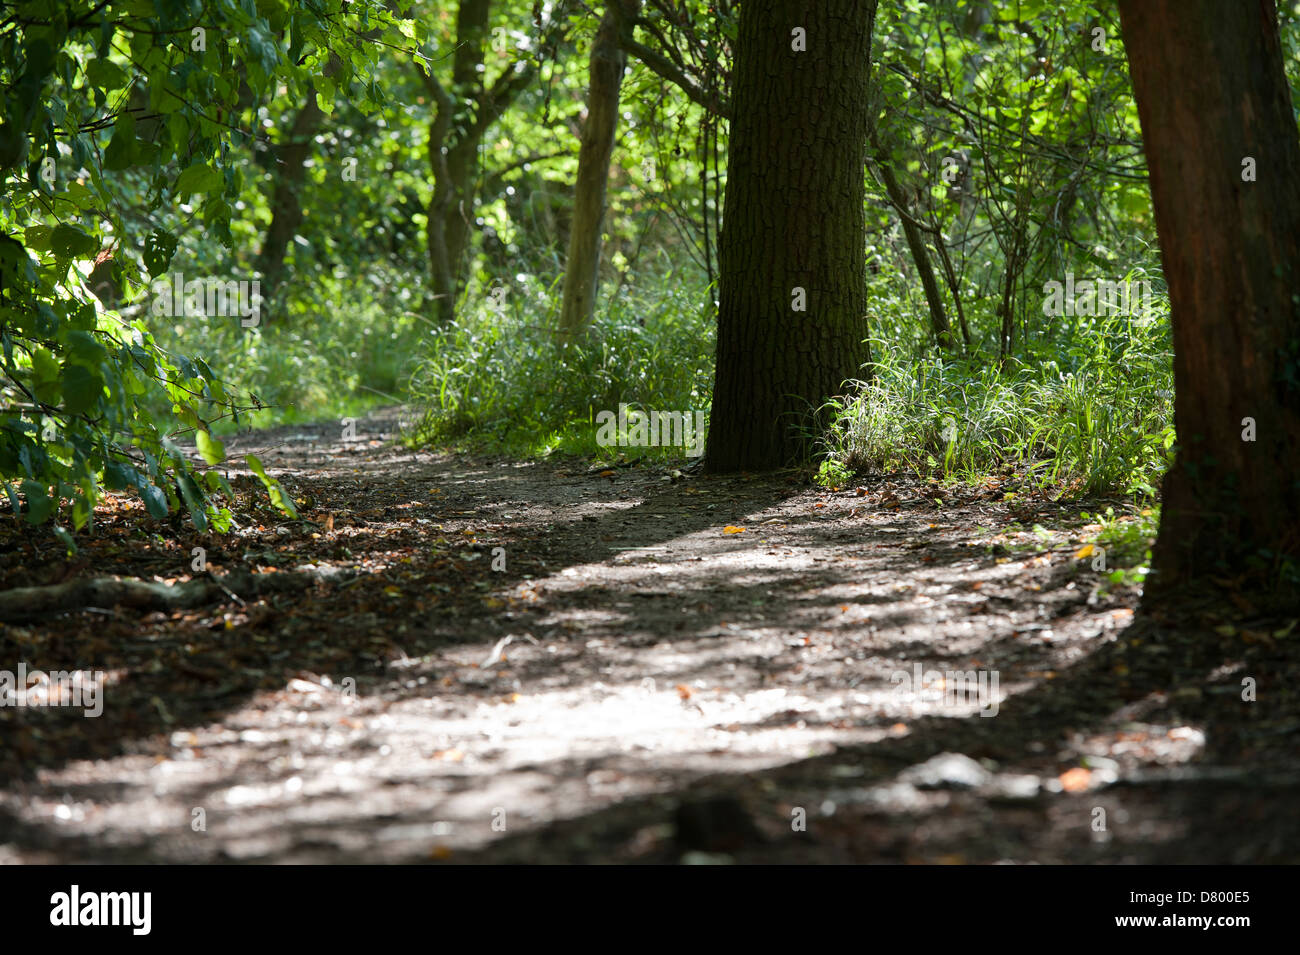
(541,663)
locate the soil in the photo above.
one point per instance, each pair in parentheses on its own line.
(558,662)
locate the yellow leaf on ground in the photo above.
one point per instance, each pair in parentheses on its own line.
(1084,551)
(732,529)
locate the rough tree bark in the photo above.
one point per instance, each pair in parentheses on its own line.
(1211,94)
(793,219)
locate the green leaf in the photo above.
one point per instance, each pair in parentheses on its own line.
(70,242)
(273,488)
(194,500)
(121,151)
(198,179)
(38,237)
(212,450)
(82,389)
(118,477)
(45,374)
(104,74)
(40,504)
(159,248)
(155,501)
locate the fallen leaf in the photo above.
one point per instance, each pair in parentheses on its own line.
(732,529)
(1076,780)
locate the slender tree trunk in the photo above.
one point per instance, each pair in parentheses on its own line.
(452,158)
(793,231)
(582,267)
(286,200)
(471,109)
(289,174)
(916,245)
(435,230)
(1211,95)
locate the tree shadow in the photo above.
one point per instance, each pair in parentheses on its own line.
(702,622)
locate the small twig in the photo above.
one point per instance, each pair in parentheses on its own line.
(226,590)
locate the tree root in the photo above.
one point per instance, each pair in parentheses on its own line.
(32,603)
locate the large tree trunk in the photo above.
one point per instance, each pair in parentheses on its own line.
(793,219)
(582,267)
(1211,92)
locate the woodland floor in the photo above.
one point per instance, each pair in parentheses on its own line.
(670,691)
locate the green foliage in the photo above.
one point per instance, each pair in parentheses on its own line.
(278,496)
(123,123)
(833,473)
(133,149)
(502,381)
(1098,419)
(1127,540)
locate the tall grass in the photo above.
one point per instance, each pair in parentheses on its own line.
(337,348)
(1088,410)
(1096,417)
(499,379)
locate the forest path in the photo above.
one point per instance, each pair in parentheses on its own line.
(643,681)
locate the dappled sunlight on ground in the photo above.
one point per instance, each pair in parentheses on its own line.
(878,664)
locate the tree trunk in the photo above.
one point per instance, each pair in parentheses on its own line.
(1211,92)
(452,162)
(793,220)
(454,159)
(915,244)
(435,230)
(286,202)
(582,267)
